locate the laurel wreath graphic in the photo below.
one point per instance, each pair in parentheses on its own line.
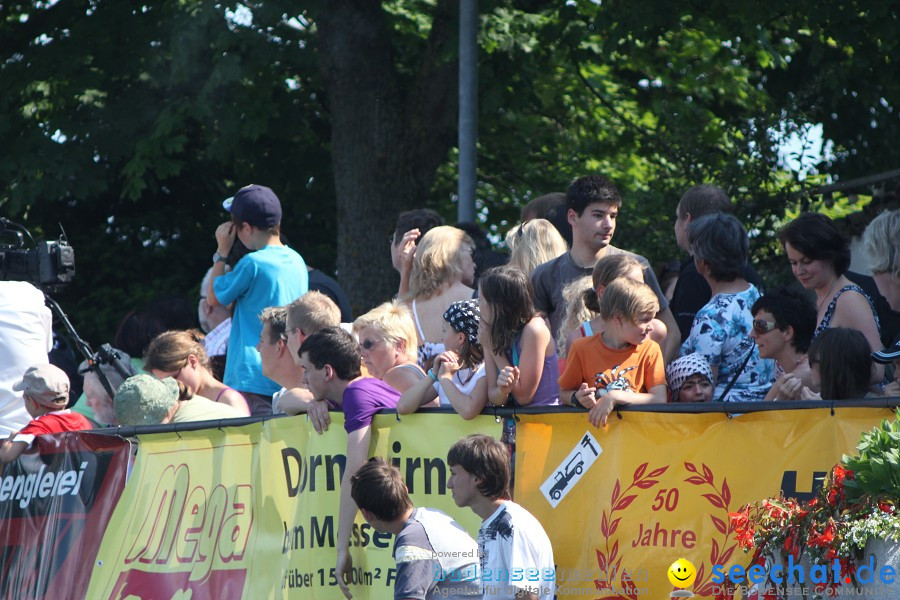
(620,500)
(610,562)
(720,498)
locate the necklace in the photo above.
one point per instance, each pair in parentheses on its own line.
(797,362)
(827,296)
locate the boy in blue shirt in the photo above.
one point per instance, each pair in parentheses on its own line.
(270,275)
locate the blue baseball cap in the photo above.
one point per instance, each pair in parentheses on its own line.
(255,204)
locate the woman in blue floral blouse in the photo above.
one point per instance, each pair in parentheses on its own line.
(721,330)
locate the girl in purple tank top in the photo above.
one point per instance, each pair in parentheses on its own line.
(519,354)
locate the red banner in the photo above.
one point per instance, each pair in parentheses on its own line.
(55,503)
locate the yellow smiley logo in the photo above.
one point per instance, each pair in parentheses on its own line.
(682,573)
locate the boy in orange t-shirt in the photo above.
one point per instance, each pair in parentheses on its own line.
(621,365)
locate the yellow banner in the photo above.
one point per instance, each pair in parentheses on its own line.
(252,511)
(621,505)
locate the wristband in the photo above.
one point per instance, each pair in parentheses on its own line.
(432,375)
(574,401)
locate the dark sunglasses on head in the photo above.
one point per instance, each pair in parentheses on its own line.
(522,228)
(761,326)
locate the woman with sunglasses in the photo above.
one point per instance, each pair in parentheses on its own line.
(443,272)
(783,325)
(387,344)
(820,256)
(721,329)
(181,355)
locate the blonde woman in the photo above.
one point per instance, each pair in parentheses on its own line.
(181,355)
(533,243)
(387,344)
(577,312)
(442,273)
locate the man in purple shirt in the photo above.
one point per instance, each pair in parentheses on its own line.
(330,360)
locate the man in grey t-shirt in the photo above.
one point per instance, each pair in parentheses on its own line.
(592,205)
(435,556)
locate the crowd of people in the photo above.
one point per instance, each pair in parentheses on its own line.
(570,319)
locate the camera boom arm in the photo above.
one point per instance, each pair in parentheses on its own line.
(107,354)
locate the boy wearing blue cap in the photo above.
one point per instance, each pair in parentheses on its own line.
(270,275)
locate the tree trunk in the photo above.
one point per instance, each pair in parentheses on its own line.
(388,137)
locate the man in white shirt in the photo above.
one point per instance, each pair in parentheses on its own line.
(25,340)
(215,321)
(516,557)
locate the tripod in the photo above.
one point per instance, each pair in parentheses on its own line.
(106,355)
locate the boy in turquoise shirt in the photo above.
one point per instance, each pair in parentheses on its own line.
(271,275)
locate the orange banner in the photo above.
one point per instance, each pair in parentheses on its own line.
(620,506)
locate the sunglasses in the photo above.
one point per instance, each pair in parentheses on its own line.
(521,229)
(761,326)
(369,344)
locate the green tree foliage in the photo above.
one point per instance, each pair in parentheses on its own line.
(661,97)
(128,124)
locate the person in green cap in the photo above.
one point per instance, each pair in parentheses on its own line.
(145,400)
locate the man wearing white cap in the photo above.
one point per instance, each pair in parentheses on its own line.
(46,391)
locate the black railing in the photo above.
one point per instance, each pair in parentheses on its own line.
(727,408)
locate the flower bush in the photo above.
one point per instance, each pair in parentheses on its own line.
(855,505)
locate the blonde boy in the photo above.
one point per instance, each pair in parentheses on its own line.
(621,364)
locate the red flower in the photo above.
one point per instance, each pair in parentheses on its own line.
(886,507)
(836,492)
(740,524)
(848,568)
(838,475)
(775,511)
(758,558)
(824,539)
(791,546)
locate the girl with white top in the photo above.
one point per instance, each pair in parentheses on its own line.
(457,378)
